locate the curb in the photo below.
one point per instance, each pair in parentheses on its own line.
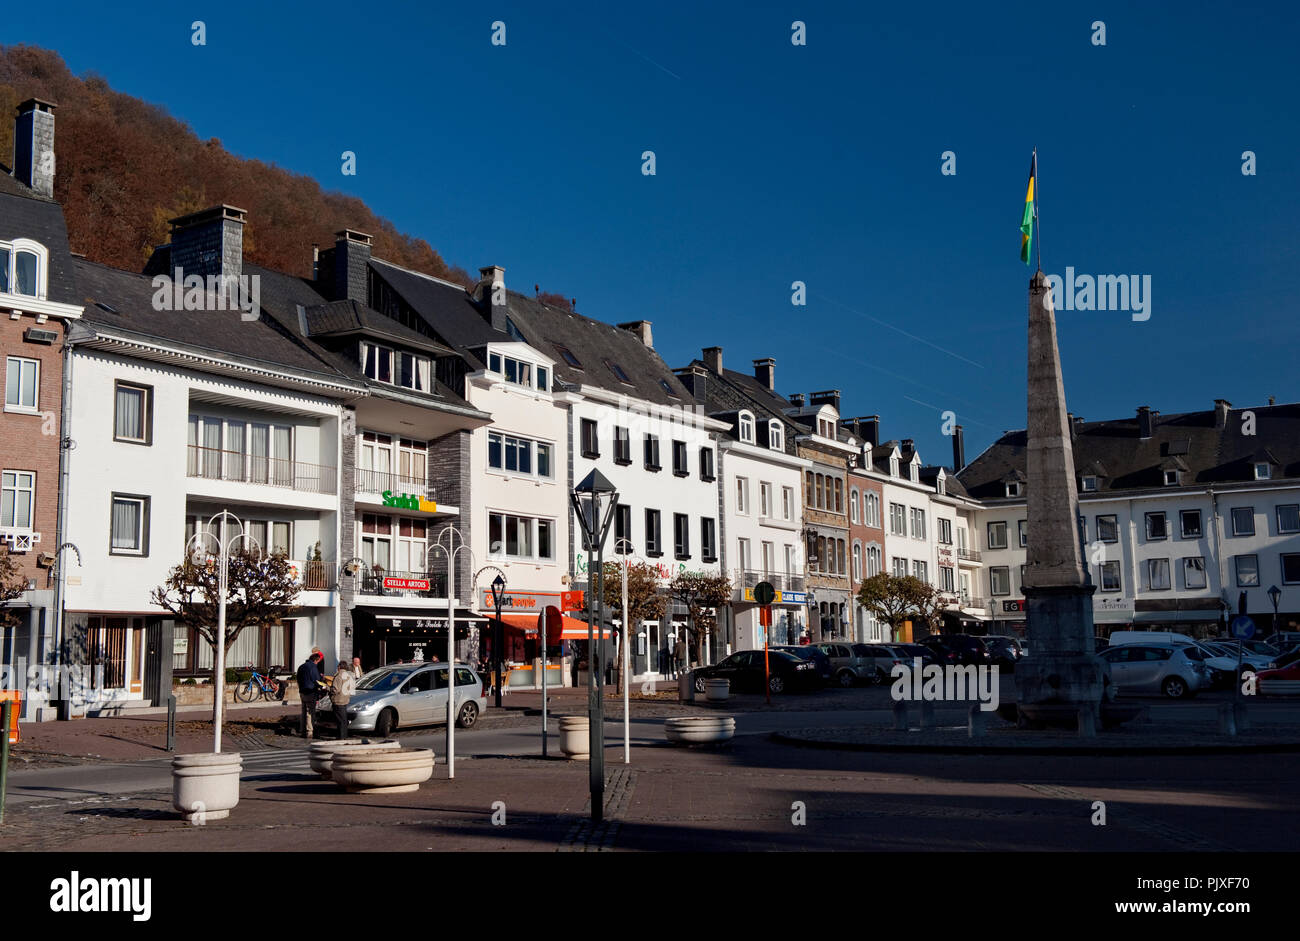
(786,738)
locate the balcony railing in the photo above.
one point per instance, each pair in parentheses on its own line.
(317,576)
(979,604)
(968,555)
(216,464)
(748,578)
(376,481)
(393,584)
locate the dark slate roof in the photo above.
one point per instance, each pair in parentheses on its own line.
(24,213)
(1121,460)
(446,308)
(953,487)
(346,317)
(723,397)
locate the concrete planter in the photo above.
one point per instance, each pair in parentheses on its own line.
(717,690)
(699,730)
(206,786)
(391,770)
(322,753)
(575,737)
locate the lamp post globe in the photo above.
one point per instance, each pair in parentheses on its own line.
(1274,595)
(498,636)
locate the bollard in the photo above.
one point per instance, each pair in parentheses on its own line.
(1227,719)
(900,715)
(927,714)
(171,723)
(975,722)
(1240,717)
(1087,724)
(6,711)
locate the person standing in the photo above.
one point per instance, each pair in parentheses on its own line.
(345,684)
(309,689)
(681,655)
(356,667)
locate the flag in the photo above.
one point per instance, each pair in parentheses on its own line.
(1030,213)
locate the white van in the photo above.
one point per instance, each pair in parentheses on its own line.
(1148,637)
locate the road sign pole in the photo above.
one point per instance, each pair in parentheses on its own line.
(5,713)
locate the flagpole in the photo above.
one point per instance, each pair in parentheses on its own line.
(1037,224)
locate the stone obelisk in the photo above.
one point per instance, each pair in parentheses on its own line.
(1061,673)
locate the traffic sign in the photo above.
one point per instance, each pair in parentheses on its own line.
(764,593)
(1242,627)
(550,622)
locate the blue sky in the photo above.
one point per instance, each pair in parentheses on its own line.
(778,163)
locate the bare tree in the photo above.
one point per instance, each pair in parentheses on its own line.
(699,592)
(12,584)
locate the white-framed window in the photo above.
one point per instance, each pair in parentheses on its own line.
(873,510)
(775,435)
(1288,518)
(789,559)
(1022,532)
(743,555)
(18,499)
(528,538)
(918,523)
(769,559)
(1110,576)
(24,267)
(940,486)
(787,503)
(913,471)
(945,531)
(1263,471)
(746,427)
(1243,521)
(1000,580)
(1089,483)
(1013,488)
(235,449)
(742,495)
(1247,570)
(897,519)
(765,499)
(1171,478)
(853,505)
(513,454)
(857,562)
(129,533)
(22,384)
(900,566)
(396,367)
(1158,574)
(921,570)
(873,560)
(1194,572)
(946,582)
(997,535)
(132,413)
(893,466)
(520,372)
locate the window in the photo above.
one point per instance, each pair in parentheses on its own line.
(945,532)
(682,535)
(873,510)
(1157,526)
(650,447)
(590,441)
(1158,574)
(1243,521)
(1022,531)
(918,523)
(622,446)
(1000,580)
(940,485)
(775,436)
(912,470)
(893,466)
(133,413)
(765,499)
(1194,572)
(840,558)
(663,384)
(857,562)
(1013,489)
(839,496)
(18,499)
(22,382)
(746,428)
(1288,518)
(897,519)
(494,362)
(679,459)
(1291,568)
(997,535)
(825,428)
(709,540)
(1089,483)
(1107,529)
(900,566)
(1190,523)
(946,582)
(520,537)
(22,268)
(787,503)
(567,355)
(743,556)
(1263,471)
(821,497)
(873,560)
(383,364)
(921,571)
(1171,478)
(789,559)
(742,495)
(129,525)
(622,528)
(652,540)
(505,452)
(853,505)
(617,370)
(544,378)
(706,464)
(1110,579)
(1247,570)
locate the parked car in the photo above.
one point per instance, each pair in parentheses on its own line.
(957,648)
(912,651)
(1174,670)
(848,666)
(1284,681)
(1285,640)
(402,695)
(811,653)
(1099,644)
(746,670)
(1251,662)
(882,658)
(1261,647)
(1003,651)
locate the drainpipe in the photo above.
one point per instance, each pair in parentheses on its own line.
(65,441)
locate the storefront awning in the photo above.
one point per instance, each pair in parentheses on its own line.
(1174,617)
(399,619)
(573,628)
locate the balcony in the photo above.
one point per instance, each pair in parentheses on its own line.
(377,481)
(316,576)
(977,604)
(968,555)
(394,584)
(748,578)
(216,464)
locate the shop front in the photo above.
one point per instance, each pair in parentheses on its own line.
(789,610)
(522,653)
(383,635)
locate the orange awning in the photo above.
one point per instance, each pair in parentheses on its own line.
(573,628)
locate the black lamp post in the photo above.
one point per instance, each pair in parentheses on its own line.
(1274,595)
(594,501)
(498,596)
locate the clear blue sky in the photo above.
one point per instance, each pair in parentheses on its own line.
(779,163)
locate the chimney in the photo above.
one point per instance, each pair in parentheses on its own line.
(1144,422)
(765,372)
(1270,400)
(208,243)
(907,444)
(642,329)
(713,359)
(1069,420)
(694,377)
(796,399)
(34,145)
(830,397)
(1221,409)
(351,258)
(315,261)
(490,295)
(958,449)
(869,429)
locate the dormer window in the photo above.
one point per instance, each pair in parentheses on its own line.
(826,428)
(518,372)
(1263,471)
(893,467)
(940,486)
(396,367)
(663,384)
(746,428)
(23,268)
(1013,489)
(1089,483)
(912,472)
(775,436)
(1171,477)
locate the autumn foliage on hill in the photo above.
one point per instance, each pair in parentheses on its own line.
(124,167)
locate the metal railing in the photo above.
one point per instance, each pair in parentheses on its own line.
(968,555)
(377,481)
(216,464)
(748,578)
(315,575)
(394,584)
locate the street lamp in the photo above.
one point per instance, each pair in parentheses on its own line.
(1274,595)
(451,543)
(624,546)
(498,596)
(594,501)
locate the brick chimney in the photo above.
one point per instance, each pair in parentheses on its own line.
(351,261)
(765,373)
(34,145)
(1221,409)
(490,295)
(642,329)
(208,243)
(713,359)
(958,449)
(1145,422)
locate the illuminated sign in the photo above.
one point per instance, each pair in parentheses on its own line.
(414,584)
(408,501)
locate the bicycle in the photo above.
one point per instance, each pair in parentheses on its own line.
(261,685)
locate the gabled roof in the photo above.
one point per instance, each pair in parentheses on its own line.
(348,317)
(725,396)
(24,213)
(445,307)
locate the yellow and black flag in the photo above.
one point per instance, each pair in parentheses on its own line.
(1030,213)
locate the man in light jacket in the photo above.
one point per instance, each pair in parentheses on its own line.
(344,685)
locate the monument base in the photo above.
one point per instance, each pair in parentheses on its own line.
(1062,671)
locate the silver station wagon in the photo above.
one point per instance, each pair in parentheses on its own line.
(403,695)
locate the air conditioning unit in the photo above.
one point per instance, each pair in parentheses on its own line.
(37,335)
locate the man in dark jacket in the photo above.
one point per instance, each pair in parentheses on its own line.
(309,689)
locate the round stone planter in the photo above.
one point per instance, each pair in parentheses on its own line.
(575,737)
(206,786)
(391,770)
(322,753)
(717,690)
(699,730)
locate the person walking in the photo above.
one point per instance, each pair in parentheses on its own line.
(309,690)
(681,655)
(344,685)
(356,667)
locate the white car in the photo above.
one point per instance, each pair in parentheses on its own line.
(1249,658)
(1176,670)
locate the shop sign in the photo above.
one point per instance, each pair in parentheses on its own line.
(532,600)
(782,597)
(409,501)
(411,584)
(1018,605)
(1112,610)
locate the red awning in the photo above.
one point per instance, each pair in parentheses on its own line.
(573,628)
